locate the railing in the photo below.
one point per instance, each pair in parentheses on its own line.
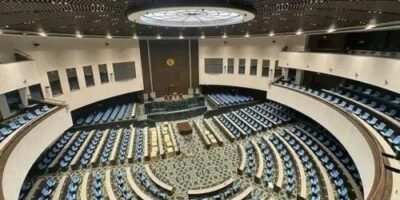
(8,148)
(382,182)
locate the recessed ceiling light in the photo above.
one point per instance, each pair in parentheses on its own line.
(331,29)
(190,16)
(299,32)
(42,33)
(159,37)
(271,34)
(370,26)
(78,35)
(224,35)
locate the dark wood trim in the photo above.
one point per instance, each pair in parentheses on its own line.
(382,184)
(6,151)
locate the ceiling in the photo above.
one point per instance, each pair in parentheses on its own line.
(102,17)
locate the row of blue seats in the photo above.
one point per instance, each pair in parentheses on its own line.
(26,187)
(331,167)
(150,186)
(123,149)
(73,149)
(139,145)
(249,120)
(47,189)
(117,113)
(281,113)
(123,190)
(13,125)
(106,151)
(269,166)
(73,188)
(272,117)
(291,177)
(251,160)
(97,187)
(240,123)
(384,129)
(230,127)
(229,99)
(311,170)
(261,118)
(338,150)
(389,110)
(89,151)
(384,95)
(278,106)
(226,193)
(53,151)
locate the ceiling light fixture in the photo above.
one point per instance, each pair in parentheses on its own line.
(370,26)
(181,37)
(135,36)
(159,37)
(43,34)
(202,36)
(224,36)
(78,35)
(190,16)
(331,29)
(271,34)
(247,35)
(299,32)
(108,36)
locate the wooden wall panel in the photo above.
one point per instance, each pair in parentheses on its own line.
(166,78)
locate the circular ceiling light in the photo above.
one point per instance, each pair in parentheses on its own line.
(191,16)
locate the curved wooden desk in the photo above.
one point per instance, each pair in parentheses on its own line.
(330,189)
(134,186)
(279,164)
(243,159)
(302,193)
(260,159)
(205,191)
(157,181)
(109,188)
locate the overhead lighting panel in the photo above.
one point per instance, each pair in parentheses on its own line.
(191,16)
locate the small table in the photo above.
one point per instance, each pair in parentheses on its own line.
(184,128)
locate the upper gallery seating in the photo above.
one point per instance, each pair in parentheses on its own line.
(12,125)
(357,103)
(223,99)
(113,113)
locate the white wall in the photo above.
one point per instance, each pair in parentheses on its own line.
(62,53)
(336,123)
(248,48)
(29,149)
(373,70)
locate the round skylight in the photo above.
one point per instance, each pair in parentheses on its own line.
(191,16)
